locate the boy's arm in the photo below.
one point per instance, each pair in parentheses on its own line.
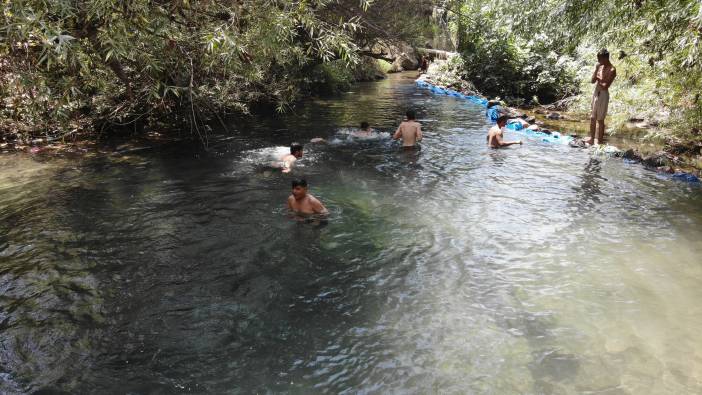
(419,132)
(319,207)
(502,143)
(288,164)
(289,203)
(398,133)
(594,74)
(607,82)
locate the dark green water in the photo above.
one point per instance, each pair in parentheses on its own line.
(537,269)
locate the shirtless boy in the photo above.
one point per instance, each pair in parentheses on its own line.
(494,137)
(302,203)
(287,161)
(365,131)
(602,77)
(410,131)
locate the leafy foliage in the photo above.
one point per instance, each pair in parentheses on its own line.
(125,60)
(542,47)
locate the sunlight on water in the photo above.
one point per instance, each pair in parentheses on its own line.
(458,269)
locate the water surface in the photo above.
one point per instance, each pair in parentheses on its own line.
(534,269)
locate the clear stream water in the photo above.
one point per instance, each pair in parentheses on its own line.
(531,270)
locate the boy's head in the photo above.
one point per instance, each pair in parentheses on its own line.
(502,120)
(603,56)
(299,188)
(410,115)
(365,125)
(296,150)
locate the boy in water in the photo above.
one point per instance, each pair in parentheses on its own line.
(602,77)
(410,131)
(365,131)
(287,161)
(494,137)
(302,203)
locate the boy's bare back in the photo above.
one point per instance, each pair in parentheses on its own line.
(410,132)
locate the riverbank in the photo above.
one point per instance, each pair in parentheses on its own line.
(631,140)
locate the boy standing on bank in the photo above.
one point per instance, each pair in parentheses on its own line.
(410,131)
(602,77)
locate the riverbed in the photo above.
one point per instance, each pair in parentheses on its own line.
(458,269)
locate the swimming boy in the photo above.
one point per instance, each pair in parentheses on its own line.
(365,131)
(287,161)
(494,137)
(301,202)
(602,77)
(410,131)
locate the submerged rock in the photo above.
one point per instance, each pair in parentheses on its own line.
(577,142)
(631,154)
(657,159)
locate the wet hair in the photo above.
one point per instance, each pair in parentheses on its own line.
(365,125)
(410,115)
(299,182)
(294,147)
(604,53)
(502,118)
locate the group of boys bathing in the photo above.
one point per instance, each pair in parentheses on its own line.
(301,202)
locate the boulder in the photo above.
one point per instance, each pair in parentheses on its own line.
(658,159)
(637,118)
(523,122)
(554,116)
(631,154)
(577,142)
(493,103)
(408,62)
(530,119)
(395,68)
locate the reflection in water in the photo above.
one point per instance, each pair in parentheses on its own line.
(456,269)
(589,188)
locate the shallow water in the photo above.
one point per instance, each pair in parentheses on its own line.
(534,269)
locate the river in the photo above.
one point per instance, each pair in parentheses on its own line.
(174,269)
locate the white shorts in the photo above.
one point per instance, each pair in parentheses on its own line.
(600,102)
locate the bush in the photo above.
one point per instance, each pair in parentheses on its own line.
(330,78)
(502,65)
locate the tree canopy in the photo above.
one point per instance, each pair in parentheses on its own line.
(65,62)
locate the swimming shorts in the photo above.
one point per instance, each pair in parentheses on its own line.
(600,102)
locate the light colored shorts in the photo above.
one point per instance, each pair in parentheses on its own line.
(600,102)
